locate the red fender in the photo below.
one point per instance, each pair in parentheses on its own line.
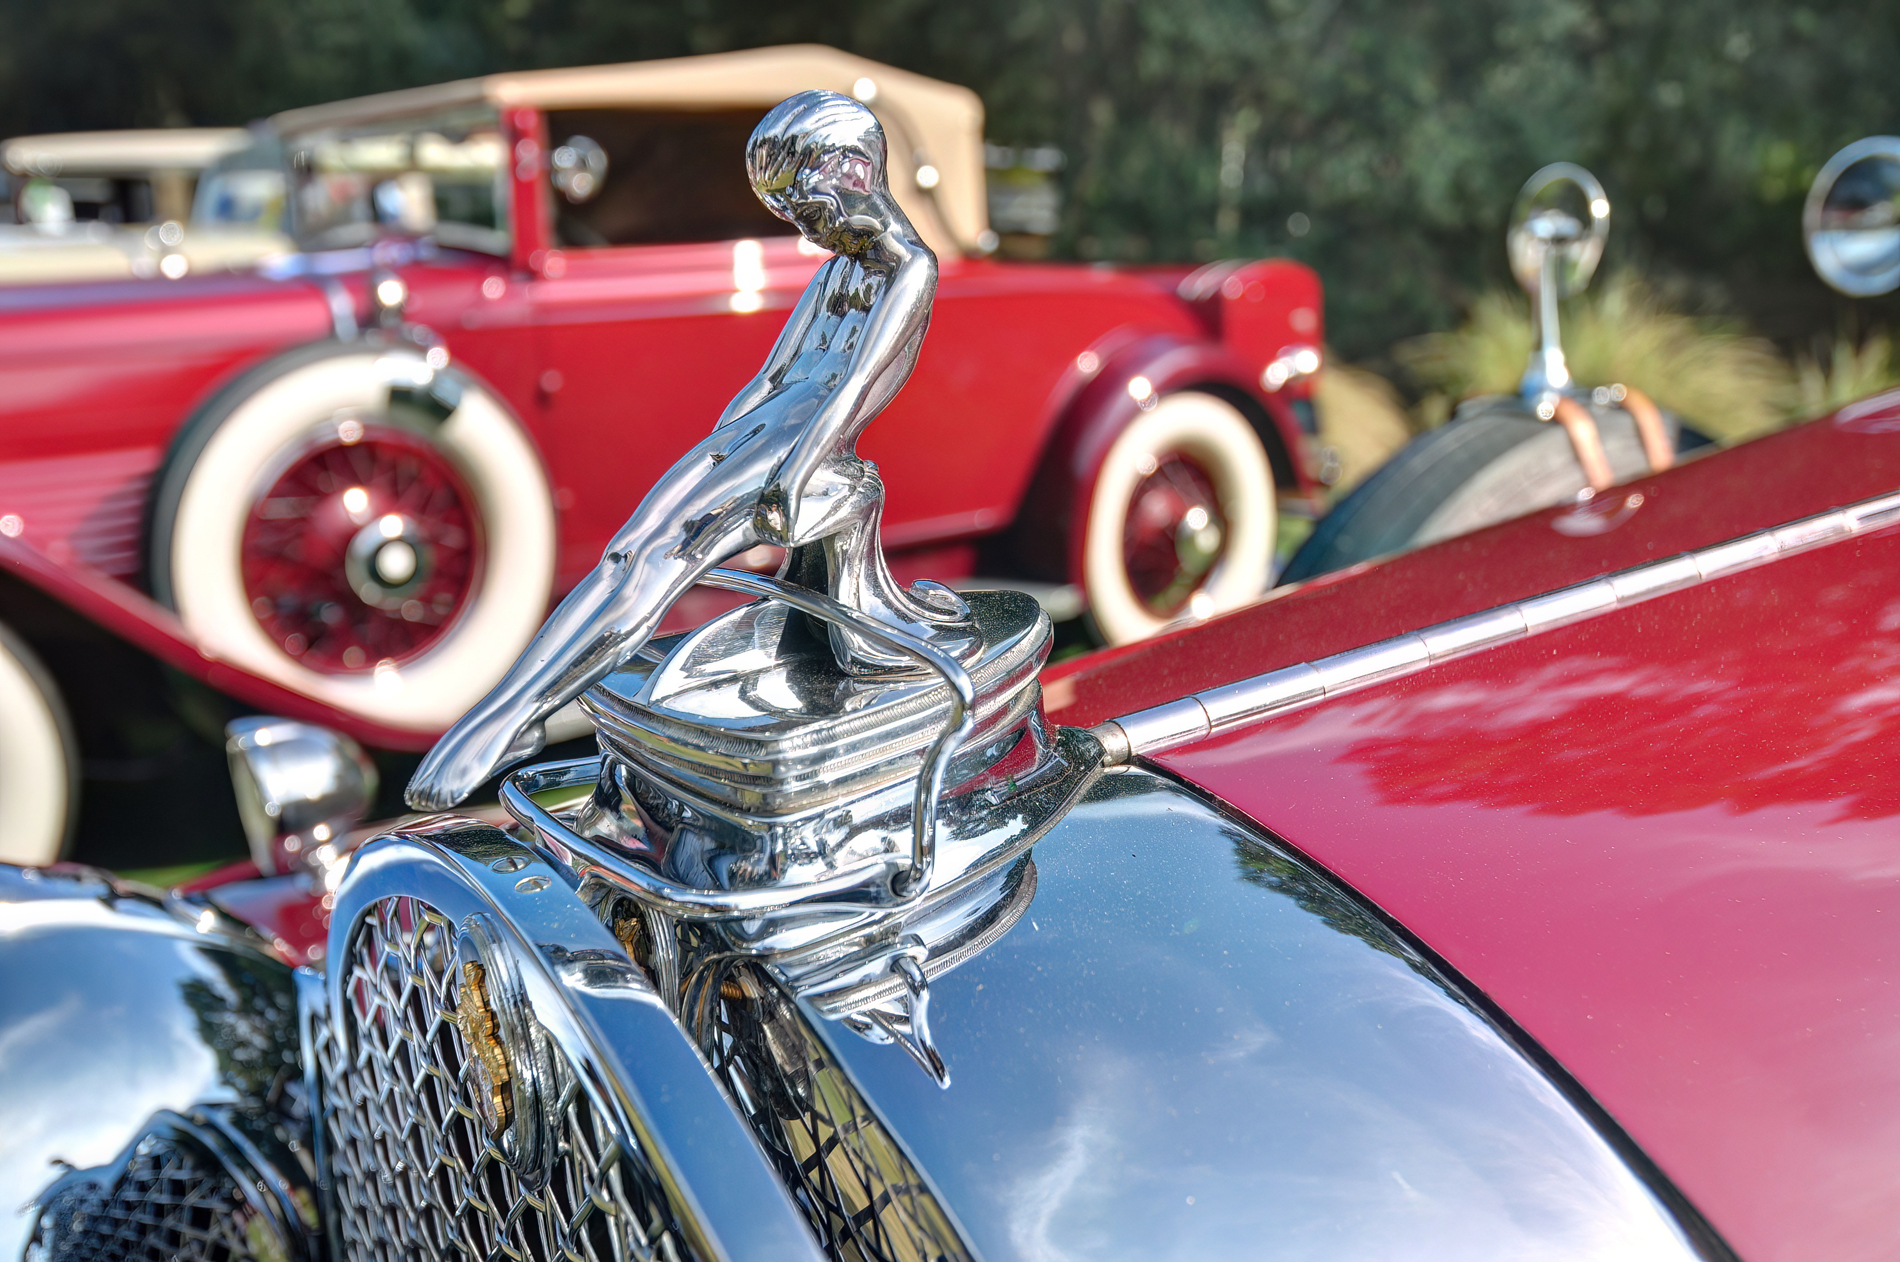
(1048,534)
(1262,310)
(147,625)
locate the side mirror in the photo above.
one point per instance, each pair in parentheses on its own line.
(1555,241)
(299,787)
(578,168)
(1851,223)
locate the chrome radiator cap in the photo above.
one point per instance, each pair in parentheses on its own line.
(751,712)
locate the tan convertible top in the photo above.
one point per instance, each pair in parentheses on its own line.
(926,121)
(121,152)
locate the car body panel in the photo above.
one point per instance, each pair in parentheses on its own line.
(1655,846)
(1663,841)
(1347,1097)
(1852,455)
(1194,1045)
(97,380)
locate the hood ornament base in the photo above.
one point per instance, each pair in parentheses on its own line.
(767,791)
(763,803)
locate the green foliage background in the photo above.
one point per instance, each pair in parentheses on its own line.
(1195,128)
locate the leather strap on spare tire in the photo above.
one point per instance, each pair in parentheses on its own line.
(359,525)
(1493,461)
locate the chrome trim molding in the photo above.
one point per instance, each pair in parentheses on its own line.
(1202,714)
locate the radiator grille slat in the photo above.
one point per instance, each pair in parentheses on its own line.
(167,1199)
(861,1193)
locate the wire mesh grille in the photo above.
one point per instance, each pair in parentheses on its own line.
(170,1201)
(414,1172)
(861,1193)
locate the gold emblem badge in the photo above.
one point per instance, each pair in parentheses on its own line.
(493,1079)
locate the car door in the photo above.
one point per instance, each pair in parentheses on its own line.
(667,283)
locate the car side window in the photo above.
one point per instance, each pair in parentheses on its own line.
(444,177)
(654,177)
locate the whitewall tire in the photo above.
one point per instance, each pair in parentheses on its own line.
(39,761)
(361,527)
(1181,521)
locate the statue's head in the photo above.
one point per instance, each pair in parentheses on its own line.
(817,161)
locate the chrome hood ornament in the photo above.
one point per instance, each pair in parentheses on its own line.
(836,777)
(780,466)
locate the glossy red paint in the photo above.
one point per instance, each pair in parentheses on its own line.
(1801,471)
(1263,308)
(287,911)
(1667,843)
(95,379)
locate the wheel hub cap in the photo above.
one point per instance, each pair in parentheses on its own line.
(1174,534)
(362,552)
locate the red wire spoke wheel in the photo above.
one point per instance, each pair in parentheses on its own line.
(362,552)
(1181,520)
(362,525)
(1174,535)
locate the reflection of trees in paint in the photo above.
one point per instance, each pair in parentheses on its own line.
(1273,869)
(247,1017)
(1776,695)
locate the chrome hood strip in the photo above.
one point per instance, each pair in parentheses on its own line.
(1202,714)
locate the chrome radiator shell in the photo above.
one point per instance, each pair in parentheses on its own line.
(153,1096)
(644,1155)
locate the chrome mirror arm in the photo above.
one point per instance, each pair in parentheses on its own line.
(1548,372)
(1553,254)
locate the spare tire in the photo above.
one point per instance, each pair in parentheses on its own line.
(360,523)
(1493,461)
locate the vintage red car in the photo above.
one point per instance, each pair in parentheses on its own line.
(347,488)
(1629,801)
(1529,894)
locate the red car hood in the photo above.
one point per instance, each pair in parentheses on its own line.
(1851,456)
(1665,841)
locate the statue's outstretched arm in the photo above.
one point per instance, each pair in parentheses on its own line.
(897,319)
(599,625)
(791,341)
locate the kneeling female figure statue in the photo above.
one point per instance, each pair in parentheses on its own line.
(780,466)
